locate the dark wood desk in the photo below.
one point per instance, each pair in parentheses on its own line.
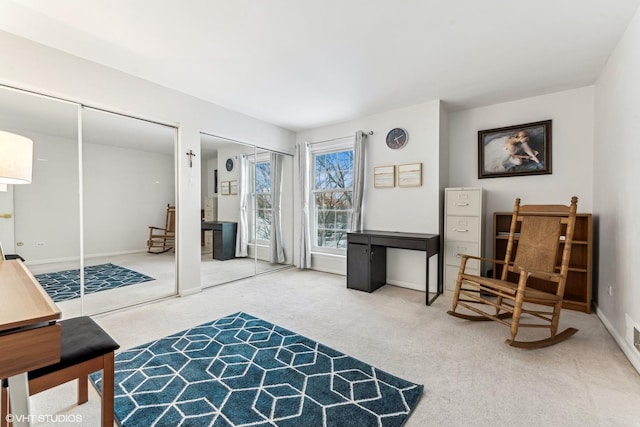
(224,238)
(367,257)
(30,338)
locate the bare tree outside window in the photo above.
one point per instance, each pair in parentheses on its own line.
(332,193)
(264,208)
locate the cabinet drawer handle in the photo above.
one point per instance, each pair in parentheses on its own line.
(462,204)
(461,230)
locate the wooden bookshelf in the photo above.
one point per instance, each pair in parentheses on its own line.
(577,294)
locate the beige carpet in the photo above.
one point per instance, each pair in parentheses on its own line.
(471,377)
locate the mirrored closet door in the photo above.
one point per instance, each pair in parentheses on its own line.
(247,210)
(272,210)
(128,187)
(100,180)
(226,199)
(39,222)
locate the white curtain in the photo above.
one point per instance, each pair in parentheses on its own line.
(277,245)
(302,158)
(358,182)
(242,236)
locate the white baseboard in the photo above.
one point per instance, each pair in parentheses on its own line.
(627,348)
(408,285)
(77,258)
(190,291)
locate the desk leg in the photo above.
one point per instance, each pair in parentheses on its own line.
(430,301)
(19,398)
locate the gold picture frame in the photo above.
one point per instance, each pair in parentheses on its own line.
(410,175)
(233,187)
(384,176)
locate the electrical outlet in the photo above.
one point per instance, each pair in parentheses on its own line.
(39,243)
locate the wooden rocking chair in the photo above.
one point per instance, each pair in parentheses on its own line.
(530,289)
(163,239)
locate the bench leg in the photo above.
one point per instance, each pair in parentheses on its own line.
(83,389)
(4,406)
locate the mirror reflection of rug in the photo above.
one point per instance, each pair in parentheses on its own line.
(65,285)
(244,371)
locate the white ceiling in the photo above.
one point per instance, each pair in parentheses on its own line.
(301,64)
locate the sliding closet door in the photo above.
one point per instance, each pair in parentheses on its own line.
(40,220)
(227,206)
(273,210)
(128,174)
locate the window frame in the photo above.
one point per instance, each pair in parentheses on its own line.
(254,161)
(333,146)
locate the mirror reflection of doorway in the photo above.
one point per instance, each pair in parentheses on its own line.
(238,210)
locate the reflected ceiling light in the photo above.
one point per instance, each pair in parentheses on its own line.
(16,154)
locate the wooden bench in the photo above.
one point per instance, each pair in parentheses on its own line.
(86,348)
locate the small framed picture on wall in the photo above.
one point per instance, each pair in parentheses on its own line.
(410,175)
(224,188)
(384,176)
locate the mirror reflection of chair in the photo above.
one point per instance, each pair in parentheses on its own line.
(530,289)
(163,239)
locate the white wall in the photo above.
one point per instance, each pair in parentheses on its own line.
(29,65)
(207,178)
(229,205)
(615,173)
(124,192)
(48,210)
(394,209)
(572,144)
(117,210)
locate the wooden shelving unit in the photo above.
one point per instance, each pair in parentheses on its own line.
(577,295)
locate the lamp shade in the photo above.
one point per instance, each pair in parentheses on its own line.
(16,157)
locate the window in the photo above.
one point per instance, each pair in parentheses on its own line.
(332,189)
(264,209)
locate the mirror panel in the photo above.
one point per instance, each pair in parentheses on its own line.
(245,173)
(44,215)
(225,160)
(273,210)
(128,181)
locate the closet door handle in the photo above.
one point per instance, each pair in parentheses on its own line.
(461,230)
(462,204)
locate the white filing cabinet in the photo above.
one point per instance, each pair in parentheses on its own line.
(210,214)
(463,231)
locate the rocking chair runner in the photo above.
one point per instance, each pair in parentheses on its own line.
(163,239)
(536,235)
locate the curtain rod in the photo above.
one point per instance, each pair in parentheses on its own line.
(365,134)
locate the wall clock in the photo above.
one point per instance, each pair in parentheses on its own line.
(229,165)
(397,138)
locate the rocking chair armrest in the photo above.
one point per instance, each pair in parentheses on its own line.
(540,274)
(156,228)
(479,258)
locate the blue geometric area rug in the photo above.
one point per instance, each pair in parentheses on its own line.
(65,285)
(244,371)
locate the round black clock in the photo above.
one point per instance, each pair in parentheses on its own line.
(229,165)
(397,138)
